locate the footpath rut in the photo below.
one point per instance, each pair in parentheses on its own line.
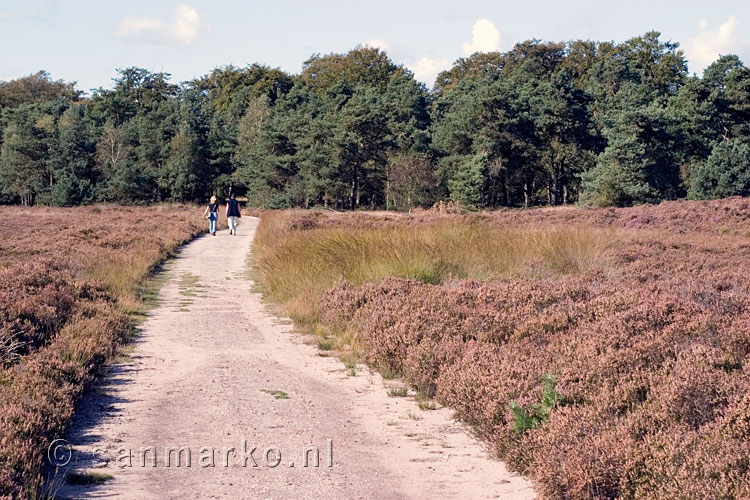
(210,372)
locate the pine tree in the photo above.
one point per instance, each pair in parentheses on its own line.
(725,173)
(467,182)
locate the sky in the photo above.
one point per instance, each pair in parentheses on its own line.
(85,40)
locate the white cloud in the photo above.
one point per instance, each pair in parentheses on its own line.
(377,44)
(426,69)
(485,37)
(138,26)
(708,45)
(185,27)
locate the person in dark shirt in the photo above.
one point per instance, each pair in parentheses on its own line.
(212,214)
(233,214)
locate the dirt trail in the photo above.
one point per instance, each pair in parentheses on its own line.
(202,376)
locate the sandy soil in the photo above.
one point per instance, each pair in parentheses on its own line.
(202,376)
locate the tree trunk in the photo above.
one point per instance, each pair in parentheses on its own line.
(525,195)
(550,193)
(554,189)
(387,187)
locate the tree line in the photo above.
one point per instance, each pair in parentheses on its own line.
(545,123)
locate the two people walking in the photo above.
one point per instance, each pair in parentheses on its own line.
(233,214)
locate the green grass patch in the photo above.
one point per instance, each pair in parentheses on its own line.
(326,344)
(349,360)
(388,373)
(187,285)
(276,393)
(398,392)
(84,478)
(525,419)
(425,403)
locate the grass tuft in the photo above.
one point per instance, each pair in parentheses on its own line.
(398,392)
(276,393)
(84,478)
(326,344)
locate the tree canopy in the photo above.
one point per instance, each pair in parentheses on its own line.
(544,123)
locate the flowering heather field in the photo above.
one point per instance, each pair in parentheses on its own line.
(69,288)
(603,353)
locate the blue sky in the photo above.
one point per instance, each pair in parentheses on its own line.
(84,41)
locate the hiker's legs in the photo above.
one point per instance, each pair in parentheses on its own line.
(232,224)
(212,223)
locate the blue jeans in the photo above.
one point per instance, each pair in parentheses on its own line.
(213,217)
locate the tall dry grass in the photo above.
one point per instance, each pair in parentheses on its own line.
(295,265)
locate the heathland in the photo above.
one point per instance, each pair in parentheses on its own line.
(603,353)
(71,291)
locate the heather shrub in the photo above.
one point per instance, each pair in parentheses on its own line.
(425,361)
(641,314)
(38,406)
(68,280)
(36,300)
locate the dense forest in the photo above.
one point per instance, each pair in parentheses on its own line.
(545,123)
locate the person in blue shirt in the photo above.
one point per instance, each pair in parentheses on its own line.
(212,214)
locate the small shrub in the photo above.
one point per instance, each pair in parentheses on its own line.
(398,392)
(538,413)
(425,403)
(326,344)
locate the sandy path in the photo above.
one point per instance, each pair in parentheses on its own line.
(196,379)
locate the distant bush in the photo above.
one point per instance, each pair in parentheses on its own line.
(70,191)
(725,173)
(467,182)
